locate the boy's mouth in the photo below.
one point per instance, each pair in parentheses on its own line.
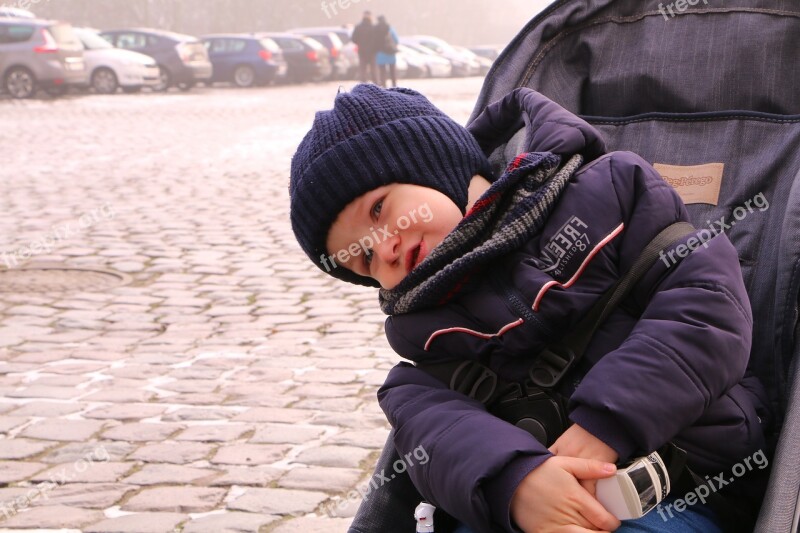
(415,256)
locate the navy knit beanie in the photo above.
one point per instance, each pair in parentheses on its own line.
(374,137)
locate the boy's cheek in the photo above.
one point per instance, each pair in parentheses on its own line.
(425,213)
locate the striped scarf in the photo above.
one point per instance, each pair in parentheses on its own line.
(510,213)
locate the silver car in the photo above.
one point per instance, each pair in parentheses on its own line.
(37,54)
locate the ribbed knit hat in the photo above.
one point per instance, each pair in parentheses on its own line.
(374,137)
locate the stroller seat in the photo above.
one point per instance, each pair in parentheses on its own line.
(703,91)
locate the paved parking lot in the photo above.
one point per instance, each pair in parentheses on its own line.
(178,365)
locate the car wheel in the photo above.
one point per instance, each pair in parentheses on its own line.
(132,90)
(164,80)
(104,81)
(186,86)
(20,83)
(244,76)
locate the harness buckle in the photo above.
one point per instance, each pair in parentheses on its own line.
(474,380)
(551,365)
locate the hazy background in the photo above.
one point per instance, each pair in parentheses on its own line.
(465,22)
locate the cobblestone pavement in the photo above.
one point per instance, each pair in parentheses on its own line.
(228,385)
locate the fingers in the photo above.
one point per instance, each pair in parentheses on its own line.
(596,514)
(586,468)
(578,529)
(586,471)
(590,485)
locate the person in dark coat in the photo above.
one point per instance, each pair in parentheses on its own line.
(489,255)
(366,38)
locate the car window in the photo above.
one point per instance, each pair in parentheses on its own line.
(290,44)
(308,41)
(132,41)
(325,40)
(335,41)
(64,35)
(216,46)
(15,33)
(270,45)
(110,37)
(93,41)
(236,45)
(344,36)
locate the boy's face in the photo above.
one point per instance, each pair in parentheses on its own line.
(386,232)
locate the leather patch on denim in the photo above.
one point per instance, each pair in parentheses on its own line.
(698,184)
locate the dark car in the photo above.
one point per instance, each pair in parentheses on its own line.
(39,54)
(182,59)
(349,48)
(308,60)
(245,59)
(330,40)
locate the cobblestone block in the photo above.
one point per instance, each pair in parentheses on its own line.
(176,500)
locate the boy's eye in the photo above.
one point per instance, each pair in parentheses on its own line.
(376,209)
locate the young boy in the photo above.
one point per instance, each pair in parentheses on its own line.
(490,265)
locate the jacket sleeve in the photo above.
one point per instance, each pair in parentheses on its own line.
(692,342)
(476,461)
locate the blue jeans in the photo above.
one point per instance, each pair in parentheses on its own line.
(695,518)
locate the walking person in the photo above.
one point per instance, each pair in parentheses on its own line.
(387,53)
(365,36)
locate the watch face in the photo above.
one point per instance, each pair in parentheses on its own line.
(639,473)
(661,472)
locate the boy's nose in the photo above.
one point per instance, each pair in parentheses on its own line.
(389,250)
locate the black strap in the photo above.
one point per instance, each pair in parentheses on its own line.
(557,359)
(479,382)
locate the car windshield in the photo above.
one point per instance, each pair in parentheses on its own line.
(92,41)
(64,35)
(312,43)
(269,44)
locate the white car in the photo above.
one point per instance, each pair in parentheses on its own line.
(463,65)
(425,63)
(16,13)
(110,68)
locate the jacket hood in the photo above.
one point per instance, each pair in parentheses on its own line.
(527,121)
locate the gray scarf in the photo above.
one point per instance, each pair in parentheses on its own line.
(511,212)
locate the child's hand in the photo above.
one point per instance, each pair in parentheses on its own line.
(577,442)
(551,499)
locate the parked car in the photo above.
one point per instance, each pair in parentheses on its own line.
(331,41)
(308,60)
(182,59)
(245,59)
(349,48)
(15,12)
(110,68)
(490,52)
(462,65)
(432,64)
(485,64)
(37,54)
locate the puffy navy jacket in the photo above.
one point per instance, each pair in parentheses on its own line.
(674,373)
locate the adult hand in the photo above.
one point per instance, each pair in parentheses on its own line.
(551,499)
(577,442)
